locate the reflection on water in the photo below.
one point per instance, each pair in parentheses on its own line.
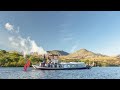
(94,73)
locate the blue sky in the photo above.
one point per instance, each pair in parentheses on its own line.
(97,31)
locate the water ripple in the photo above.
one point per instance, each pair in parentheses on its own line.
(94,73)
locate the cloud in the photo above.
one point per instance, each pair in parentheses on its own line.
(17,42)
(68,38)
(9,27)
(35,48)
(26,45)
(66,35)
(74,48)
(63,27)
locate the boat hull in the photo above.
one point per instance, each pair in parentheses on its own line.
(48,68)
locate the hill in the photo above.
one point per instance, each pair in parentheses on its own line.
(83,53)
(58,52)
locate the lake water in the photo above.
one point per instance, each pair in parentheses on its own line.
(93,73)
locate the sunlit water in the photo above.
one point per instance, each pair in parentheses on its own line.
(93,73)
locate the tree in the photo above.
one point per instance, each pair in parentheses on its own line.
(3,51)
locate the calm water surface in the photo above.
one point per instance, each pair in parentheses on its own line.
(93,73)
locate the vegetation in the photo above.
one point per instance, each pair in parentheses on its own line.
(91,58)
(16,59)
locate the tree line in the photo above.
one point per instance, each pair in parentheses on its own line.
(16,59)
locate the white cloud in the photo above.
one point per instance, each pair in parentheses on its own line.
(25,44)
(9,27)
(74,48)
(10,38)
(17,42)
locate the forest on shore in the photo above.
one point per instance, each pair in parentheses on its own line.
(16,59)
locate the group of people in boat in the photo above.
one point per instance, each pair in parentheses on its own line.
(50,61)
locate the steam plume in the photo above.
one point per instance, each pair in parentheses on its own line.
(25,45)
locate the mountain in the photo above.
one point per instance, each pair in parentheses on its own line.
(58,52)
(83,53)
(118,56)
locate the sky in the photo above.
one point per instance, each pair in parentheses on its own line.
(97,31)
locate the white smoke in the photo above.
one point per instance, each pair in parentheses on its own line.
(35,48)
(11,28)
(74,48)
(25,45)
